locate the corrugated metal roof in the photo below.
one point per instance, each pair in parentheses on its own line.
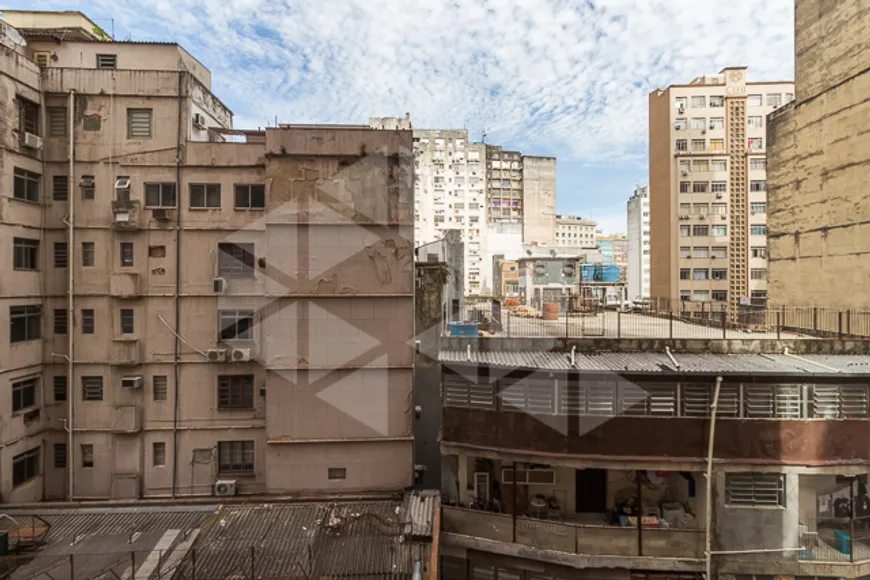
(648,362)
(420,509)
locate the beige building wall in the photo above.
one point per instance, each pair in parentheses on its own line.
(708,198)
(539,200)
(818,164)
(330,288)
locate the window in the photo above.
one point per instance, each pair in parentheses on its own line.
(701,230)
(26,186)
(250,196)
(758,251)
(60,455)
(336,473)
(700,274)
(685,166)
(717,122)
(159,387)
(701,208)
(92,388)
(789,97)
(700,165)
(87,185)
(699,123)
(719,231)
(774,99)
(158,453)
(719,165)
(236,324)
(474,219)
(685,295)
(755,121)
(753,101)
(59,388)
(685,274)
(25,466)
(87,454)
(719,252)
(159,195)
(701,296)
(235,457)
(139,124)
(128,319)
(87,254)
(700,186)
(685,251)
(680,102)
(758,230)
(25,323)
(685,231)
(107,61)
(719,187)
(205,195)
(720,273)
(57,122)
(680,124)
(25,254)
(87,321)
(719,295)
(758,273)
(755,489)
(28,116)
(24,394)
(839,401)
(126,254)
(682,145)
(60,188)
(122,194)
(758,207)
(685,208)
(701,253)
(699,145)
(236,260)
(61,322)
(685,186)
(758,164)
(699,102)
(756,143)
(717,145)
(758,185)
(236,392)
(717,101)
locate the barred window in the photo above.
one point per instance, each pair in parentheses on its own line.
(839,401)
(60,188)
(92,388)
(236,392)
(139,124)
(235,457)
(755,489)
(57,122)
(159,385)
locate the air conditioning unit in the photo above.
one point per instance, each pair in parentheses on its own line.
(219,285)
(86,182)
(681,110)
(712,126)
(123,183)
(122,217)
(724,217)
(677,127)
(131,382)
(198,121)
(685,172)
(240,355)
(684,216)
(161,214)
(703,131)
(32,141)
(702,216)
(216,355)
(719,196)
(225,487)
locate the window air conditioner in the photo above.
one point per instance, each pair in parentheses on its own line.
(123,183)
(219,285)
(719,196)
(86,182)
(198,121)
(161,214)
(32,141)
(131,382)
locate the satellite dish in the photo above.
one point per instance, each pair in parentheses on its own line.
(14,36)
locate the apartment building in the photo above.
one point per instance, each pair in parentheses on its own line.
(819,149)
(169,274)
(575,231)
(600,461)
(450,194)
(614,250)
(638,266)
(504,186)
(708,181)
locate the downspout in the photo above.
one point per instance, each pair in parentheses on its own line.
(70,331)
(176,297)
(786,352)
(708,502)
(671,356)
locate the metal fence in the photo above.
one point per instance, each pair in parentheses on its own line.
(835,539)
(661,319)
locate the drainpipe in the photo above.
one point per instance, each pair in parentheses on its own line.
(671,356)
(176,297)
(70,331)
(708,507)
(786,352)
(573,351)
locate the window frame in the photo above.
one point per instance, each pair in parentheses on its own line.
(127,254)
(165,189)
(106,61)
(61,321)
(759,482)
(60,187)
(206,191)
(59,452)
(61,255)
(127,317)
(25,254)
(29,320)
(92,388)
(87,452)
(31,470)
(158,454)
(55,128)
(159,388)
(236,457)
(26,185)
(25,394)
(88,254)
(236,260)
(236,316)
(60,386)
(248,190)
(135,128)
(235,392)
(89,321)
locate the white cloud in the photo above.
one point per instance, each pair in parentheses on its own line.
(552,77)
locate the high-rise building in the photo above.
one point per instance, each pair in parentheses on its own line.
(818,164)
(504,185)
(575,231)
(638,269)
(168,273)
(708,196)
(539,200)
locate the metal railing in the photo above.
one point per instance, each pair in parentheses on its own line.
(835,539)
(660,319)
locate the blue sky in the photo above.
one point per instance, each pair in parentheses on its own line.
(547,77)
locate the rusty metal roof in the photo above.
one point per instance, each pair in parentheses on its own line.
(420,509)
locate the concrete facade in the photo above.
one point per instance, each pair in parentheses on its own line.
(575,231)
(187,309)
(818,163)
(638,266)
(708,199)
(539,200)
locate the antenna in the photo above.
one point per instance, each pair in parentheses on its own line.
(483,136)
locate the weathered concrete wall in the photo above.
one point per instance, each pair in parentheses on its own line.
(662,204)
(539,200)
(818,162)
